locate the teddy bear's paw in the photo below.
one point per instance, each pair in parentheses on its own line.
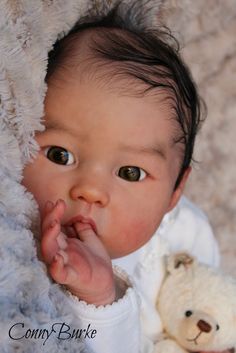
(168,346)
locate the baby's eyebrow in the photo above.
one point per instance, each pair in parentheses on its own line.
(55,125)
(60,127)
(158,150)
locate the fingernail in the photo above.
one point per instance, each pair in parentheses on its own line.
(48,206)
(64,255)
(61,241)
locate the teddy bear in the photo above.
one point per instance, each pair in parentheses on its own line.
(197,305)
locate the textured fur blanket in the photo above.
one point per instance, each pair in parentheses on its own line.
(28,298)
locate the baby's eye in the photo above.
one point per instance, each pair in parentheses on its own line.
(131,173)
(59,155)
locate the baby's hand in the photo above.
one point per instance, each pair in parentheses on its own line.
(80,263)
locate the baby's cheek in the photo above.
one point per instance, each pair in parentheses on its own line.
(42,194)
(139,232)
(127,234)
(50,191)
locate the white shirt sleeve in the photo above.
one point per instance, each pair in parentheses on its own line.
(116,326)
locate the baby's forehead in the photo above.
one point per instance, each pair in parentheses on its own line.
(148,109)
(118,60)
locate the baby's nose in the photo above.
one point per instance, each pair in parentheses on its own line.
(92,193)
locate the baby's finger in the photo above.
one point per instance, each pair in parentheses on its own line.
(57,269)
(61,272)
(91,239)
(52,241)
(47,208)
(56,213)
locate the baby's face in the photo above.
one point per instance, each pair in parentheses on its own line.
(110,157)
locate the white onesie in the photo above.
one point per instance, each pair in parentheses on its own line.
(132,324)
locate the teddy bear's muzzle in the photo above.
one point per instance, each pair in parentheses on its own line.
(197,329)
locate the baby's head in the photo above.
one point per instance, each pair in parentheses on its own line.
(121,115)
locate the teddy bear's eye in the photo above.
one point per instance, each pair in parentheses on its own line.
(217,327)
(188,313)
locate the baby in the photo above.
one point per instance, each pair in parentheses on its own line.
(121,116)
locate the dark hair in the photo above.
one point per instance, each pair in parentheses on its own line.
(150,56)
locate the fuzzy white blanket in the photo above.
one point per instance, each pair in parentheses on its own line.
(28,298)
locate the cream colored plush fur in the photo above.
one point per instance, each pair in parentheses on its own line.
(197,305)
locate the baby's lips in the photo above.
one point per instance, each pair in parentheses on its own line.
(83,223)
(83,229)
(83,226)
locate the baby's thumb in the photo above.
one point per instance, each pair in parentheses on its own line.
(88,236)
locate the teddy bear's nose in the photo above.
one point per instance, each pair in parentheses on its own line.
(204,326)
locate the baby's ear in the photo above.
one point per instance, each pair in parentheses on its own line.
(178,192)
(179,261)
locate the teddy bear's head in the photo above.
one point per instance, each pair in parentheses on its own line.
(197,305)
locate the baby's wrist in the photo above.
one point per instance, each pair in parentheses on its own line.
(116,292)
(96,299)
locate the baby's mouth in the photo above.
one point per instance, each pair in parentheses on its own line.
(70,231)
(77,224)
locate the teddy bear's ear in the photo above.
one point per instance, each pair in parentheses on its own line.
(179,260)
